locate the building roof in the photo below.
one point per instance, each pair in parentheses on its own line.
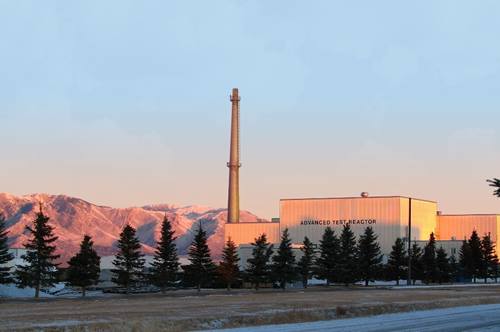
(356,197)
(469,214)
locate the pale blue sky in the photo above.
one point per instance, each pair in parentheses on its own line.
(126,103)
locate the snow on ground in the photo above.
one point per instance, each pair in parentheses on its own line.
(470,318)
(11,290)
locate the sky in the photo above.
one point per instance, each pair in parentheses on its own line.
(126,103)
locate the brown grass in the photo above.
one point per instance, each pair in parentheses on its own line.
(187,312)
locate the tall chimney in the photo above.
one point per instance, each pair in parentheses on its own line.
(233,205)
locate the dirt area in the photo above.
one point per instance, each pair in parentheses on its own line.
(181,310)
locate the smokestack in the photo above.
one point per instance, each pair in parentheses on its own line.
(233,205)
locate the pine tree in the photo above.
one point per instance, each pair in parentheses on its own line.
(476,255)
(496,184)
(201,269)
(283,266)
(305,265)
(442,266)
(165,263)
(397,262)
(465,261)
(40,270)
(369,255)
(454,268)
(228,267)
(348,260)
(129,261)
(84,267)
(416,262)
(490,268)
(429,260)
(258,268)
(5,255)
(329,251)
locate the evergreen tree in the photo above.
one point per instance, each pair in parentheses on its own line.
(454,268)
(201,269)
(369,255)
(397,262)
(490,268)
(476,255)
(228,267)
(84,267)
(283,266)
(40,270)
(416,262)
(305,265)
(465,261)
(129,261)
(496,184)
(258,268)
(348,260)
(5,255)
(442,266)
(329,251)
(165,265)
(429,260)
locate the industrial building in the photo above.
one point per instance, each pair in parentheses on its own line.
(391,217)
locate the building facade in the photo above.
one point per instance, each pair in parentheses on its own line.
(389,216)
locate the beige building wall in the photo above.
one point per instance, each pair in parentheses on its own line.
(388,216)
(245,232)
(460,227)
(451,247)
(423,221)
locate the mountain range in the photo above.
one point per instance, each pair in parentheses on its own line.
(73,217)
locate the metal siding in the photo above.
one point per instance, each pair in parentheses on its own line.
(423,221)
(461,226)
(385,210)
(246,232)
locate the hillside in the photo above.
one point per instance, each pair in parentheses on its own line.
(74,217)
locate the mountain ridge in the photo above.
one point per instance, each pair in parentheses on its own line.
(73,217)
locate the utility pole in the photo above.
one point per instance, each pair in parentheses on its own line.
(408,282)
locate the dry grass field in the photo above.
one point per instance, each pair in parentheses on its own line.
(185,310)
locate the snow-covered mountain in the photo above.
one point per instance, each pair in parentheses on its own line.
(74,217)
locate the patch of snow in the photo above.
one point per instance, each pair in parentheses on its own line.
(11,290)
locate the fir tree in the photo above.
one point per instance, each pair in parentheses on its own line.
(454,268)
(465,261)
(5,255)
(165,263)
(496,184)
(429,260)
(369,255)
(305,265)
(416,262)
(228,267)
(201,269)
(258,268)
(397,262)
(442,266)
(326,264)
(476,255)
(40,270)
(490,268)
(84,267)
(348,260)
(283,266)
(129,261)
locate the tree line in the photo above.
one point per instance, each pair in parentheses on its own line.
(340,259)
